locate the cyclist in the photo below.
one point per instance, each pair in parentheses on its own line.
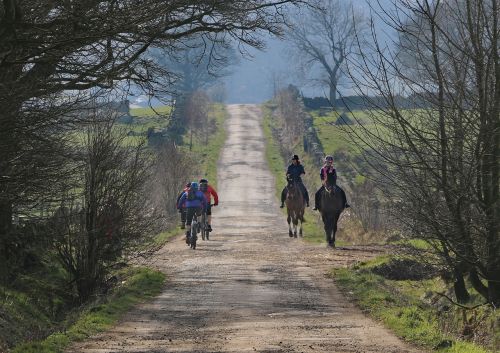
(182,209)
(295,172)
(209,191)
(195,202)
(326,170)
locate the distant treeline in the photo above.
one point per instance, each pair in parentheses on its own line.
(366,102)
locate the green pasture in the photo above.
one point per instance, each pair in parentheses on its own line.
(347,138)
(368,127)
(151,112)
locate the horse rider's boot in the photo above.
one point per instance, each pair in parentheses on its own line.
(282,205)
(209,228)
(347,205)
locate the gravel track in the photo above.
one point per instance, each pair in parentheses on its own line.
(250,288)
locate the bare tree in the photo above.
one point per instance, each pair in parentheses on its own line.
(291,112)
(198,65)
(196,110)
(325,37)
(369,207)
(440,160)
(103,216)
(167,181)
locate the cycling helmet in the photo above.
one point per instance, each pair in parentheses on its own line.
(194,185)
(203,181)
(328,158)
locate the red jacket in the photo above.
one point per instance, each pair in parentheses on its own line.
(211,192)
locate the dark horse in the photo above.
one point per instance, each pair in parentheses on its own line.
(332,205)
(295,205)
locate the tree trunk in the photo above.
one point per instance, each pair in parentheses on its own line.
(494,288)
(5,216)
(333,94)
(461,292)
(478,285)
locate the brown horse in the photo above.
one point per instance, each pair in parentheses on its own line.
(295,205)
(332,205)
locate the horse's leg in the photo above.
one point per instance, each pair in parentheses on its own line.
(334,230)
(301,218)
(327,222)
(295,223)
(288,219)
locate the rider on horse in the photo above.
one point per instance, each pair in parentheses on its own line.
(209,191)
(294,173)
(328,172)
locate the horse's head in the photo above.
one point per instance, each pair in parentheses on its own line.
(291,188)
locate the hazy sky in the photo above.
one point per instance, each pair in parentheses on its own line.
(252,80)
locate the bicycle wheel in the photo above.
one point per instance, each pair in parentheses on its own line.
(193,238)
(203,227)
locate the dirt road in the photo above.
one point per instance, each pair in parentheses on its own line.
(250,288)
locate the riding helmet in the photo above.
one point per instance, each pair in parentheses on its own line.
(295,157)
(203,181)
(194,185)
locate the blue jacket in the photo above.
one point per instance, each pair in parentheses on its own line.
(199,200)
(295,171)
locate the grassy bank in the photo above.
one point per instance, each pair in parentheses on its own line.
(399,305)
(137,285)
(273,152)
(207,154)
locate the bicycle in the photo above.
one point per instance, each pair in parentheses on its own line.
(205,233)
(203,225)
(195,229)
